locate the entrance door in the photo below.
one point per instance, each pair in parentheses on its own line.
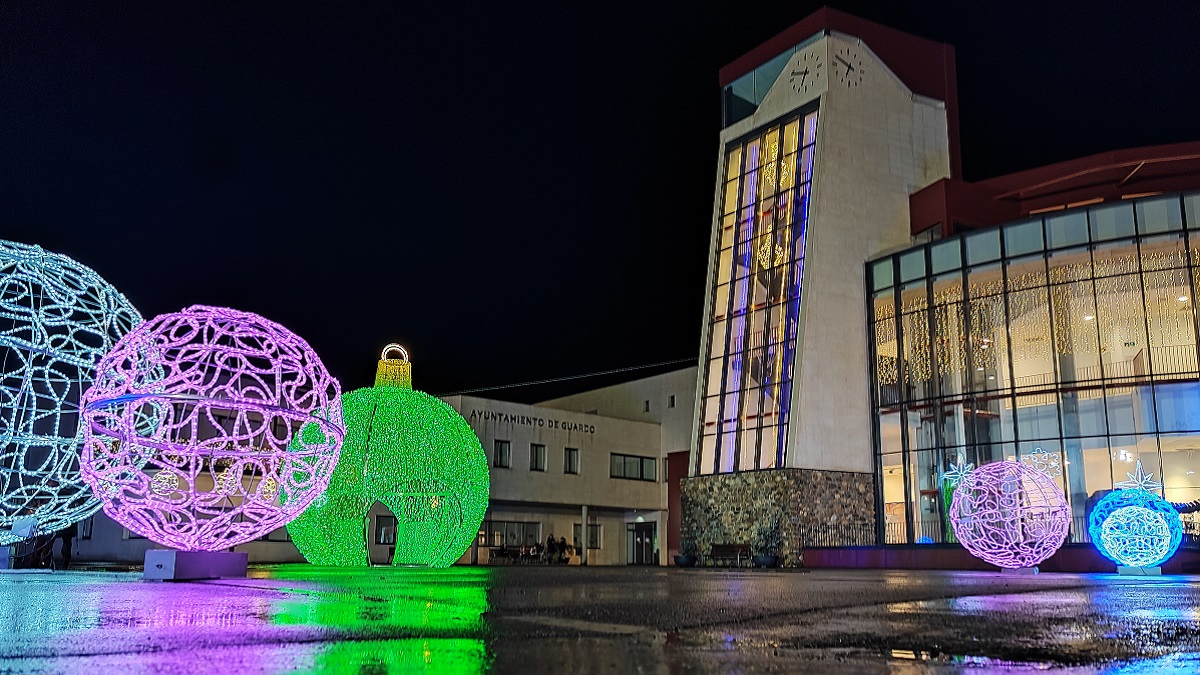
(641,543)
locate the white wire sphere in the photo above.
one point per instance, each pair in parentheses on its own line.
(57,319)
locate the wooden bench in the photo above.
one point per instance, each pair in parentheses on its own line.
(735,553)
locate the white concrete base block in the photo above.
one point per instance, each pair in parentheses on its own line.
(1139,571)
(1021,570)
(170,565)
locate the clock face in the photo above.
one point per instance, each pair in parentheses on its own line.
(848,67)
(805,72)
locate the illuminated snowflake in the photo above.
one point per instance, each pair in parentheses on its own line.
(1139,480)
(1046,462)
(956,473)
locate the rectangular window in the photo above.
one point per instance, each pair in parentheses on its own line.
(502,454)
(506,533)
(85,527)
(385,530)
(277,535)
(633,467)
(755,291)
(537,457)
(593,536)
(646,406)
(671,401)
(571,460)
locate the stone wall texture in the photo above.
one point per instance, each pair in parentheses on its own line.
(729,508)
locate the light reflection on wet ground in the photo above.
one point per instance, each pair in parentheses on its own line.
(297,618)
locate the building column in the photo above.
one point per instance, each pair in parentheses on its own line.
(583,537)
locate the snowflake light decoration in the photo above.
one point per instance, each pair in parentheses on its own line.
(1135,527)
(57,319)
(957,472)
(209,428)
(1046,462)
(1010,515)
(1139,480)
(414,454)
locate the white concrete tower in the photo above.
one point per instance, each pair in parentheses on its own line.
(830,126)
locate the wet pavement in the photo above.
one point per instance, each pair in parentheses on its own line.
(297,618)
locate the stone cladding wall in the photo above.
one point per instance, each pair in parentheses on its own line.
(729,508)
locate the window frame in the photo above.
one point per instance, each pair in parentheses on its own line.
(568,455)
(535,455)
(497,445)
(378,530)
(643,462)
(594,543)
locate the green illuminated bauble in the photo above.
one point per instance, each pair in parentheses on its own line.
(415,455)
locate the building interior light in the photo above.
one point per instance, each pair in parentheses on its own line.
(1088,317)
(1183,298)
(991,377)
(980,369)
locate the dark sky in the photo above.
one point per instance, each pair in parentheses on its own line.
(516,191)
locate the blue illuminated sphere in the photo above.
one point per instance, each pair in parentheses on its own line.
(1136,528)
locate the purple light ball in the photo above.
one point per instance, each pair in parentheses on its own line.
(1010,515)
(209,428)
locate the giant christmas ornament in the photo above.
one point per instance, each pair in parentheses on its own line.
(1010,514)
(209,428)
(57,319)
(1135,527)
(415,455)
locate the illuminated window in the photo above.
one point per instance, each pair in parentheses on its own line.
(755,301)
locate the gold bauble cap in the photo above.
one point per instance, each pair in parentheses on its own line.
(394,372)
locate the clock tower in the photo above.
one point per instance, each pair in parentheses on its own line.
(829,127)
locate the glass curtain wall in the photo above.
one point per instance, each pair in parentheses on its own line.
(1066,341)
(756,296)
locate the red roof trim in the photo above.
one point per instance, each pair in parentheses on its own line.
(924,66)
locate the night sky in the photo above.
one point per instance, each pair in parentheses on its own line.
(515,191)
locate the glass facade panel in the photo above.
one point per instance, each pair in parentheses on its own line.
(755,308)
(983,247)
(1067,229)
(882,274)
(1160,214)
(1111,221)
(1191,211)
(1022,238)
(912,265)
(945,256)
(1079,359)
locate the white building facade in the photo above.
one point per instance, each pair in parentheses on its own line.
(553,467)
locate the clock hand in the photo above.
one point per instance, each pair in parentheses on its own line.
(845,62)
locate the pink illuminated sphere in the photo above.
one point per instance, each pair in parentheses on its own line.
(209,428)
(1010,514)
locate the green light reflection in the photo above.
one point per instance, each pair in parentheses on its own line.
(390,620)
